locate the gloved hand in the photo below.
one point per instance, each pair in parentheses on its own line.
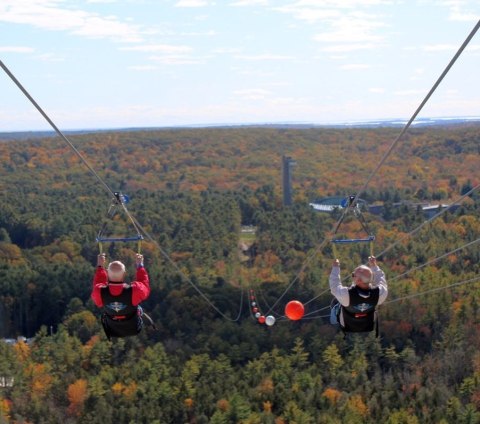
(139,260)
(101,259)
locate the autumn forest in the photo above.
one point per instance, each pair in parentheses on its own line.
(217,237)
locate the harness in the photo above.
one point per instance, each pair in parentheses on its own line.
(361,314)
(120,318)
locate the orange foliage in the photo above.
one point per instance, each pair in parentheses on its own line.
(400,329)
(22,351)
(179,256)
(188,402)
(11,254)
(411,388)
(220,268)
(118,388)
(223,405)
(267,406)
(475,399)
(77,394)
(93,341)
(130,391)
(333,395)
(357,405)
(41,381)
(456,306)
(5,408)
(266,386)
(199,187)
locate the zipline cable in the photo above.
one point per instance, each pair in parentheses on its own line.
(420,107)
(423,224)
(402,275)
(186,278)
(385,156)
(135,223)
(471,280)
(52,124)
(434,260)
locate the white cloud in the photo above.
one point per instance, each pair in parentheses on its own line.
(15,49)
(417,73)
(376,90)
(451,92)
(408,92)
(342,48)
(142,68)
(347,22)
(51,15)
(49,57)
(351,29)
(227,50)
(163,48)
(209,33)
(440,47)
(242,3)
(354,66)
(257,73)
(252,93)
(464,17)
(191,3)
(261,57)
(177,60)
(461,10)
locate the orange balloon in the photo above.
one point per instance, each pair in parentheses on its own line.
(294,310)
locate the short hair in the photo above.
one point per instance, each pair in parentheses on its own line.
(364,273)
(116,271)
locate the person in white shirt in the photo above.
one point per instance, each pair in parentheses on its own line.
(355,306)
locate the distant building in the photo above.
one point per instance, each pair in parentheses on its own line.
(431,210)
(6,381)
(329,204)
(287,164)
(17,340)
(428,210)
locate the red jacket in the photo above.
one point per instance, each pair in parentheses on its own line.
(140,287)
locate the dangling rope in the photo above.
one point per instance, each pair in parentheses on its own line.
(387,153)
(114,194)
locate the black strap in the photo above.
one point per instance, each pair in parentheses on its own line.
(105,326)
(150,320)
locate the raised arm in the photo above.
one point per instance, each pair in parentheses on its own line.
(141,285)
(340,292)
(100,280)
(379,279)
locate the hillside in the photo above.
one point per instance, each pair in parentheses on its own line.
(192,190)
(439,159)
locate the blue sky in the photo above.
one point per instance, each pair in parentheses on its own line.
(116,64)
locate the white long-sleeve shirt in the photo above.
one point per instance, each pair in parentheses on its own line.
(341,292)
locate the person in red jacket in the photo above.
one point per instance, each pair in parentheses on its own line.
(122,313)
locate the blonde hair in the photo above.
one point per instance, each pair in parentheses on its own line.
(116,271)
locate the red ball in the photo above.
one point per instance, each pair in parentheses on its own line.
(294,310)
(261,319)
